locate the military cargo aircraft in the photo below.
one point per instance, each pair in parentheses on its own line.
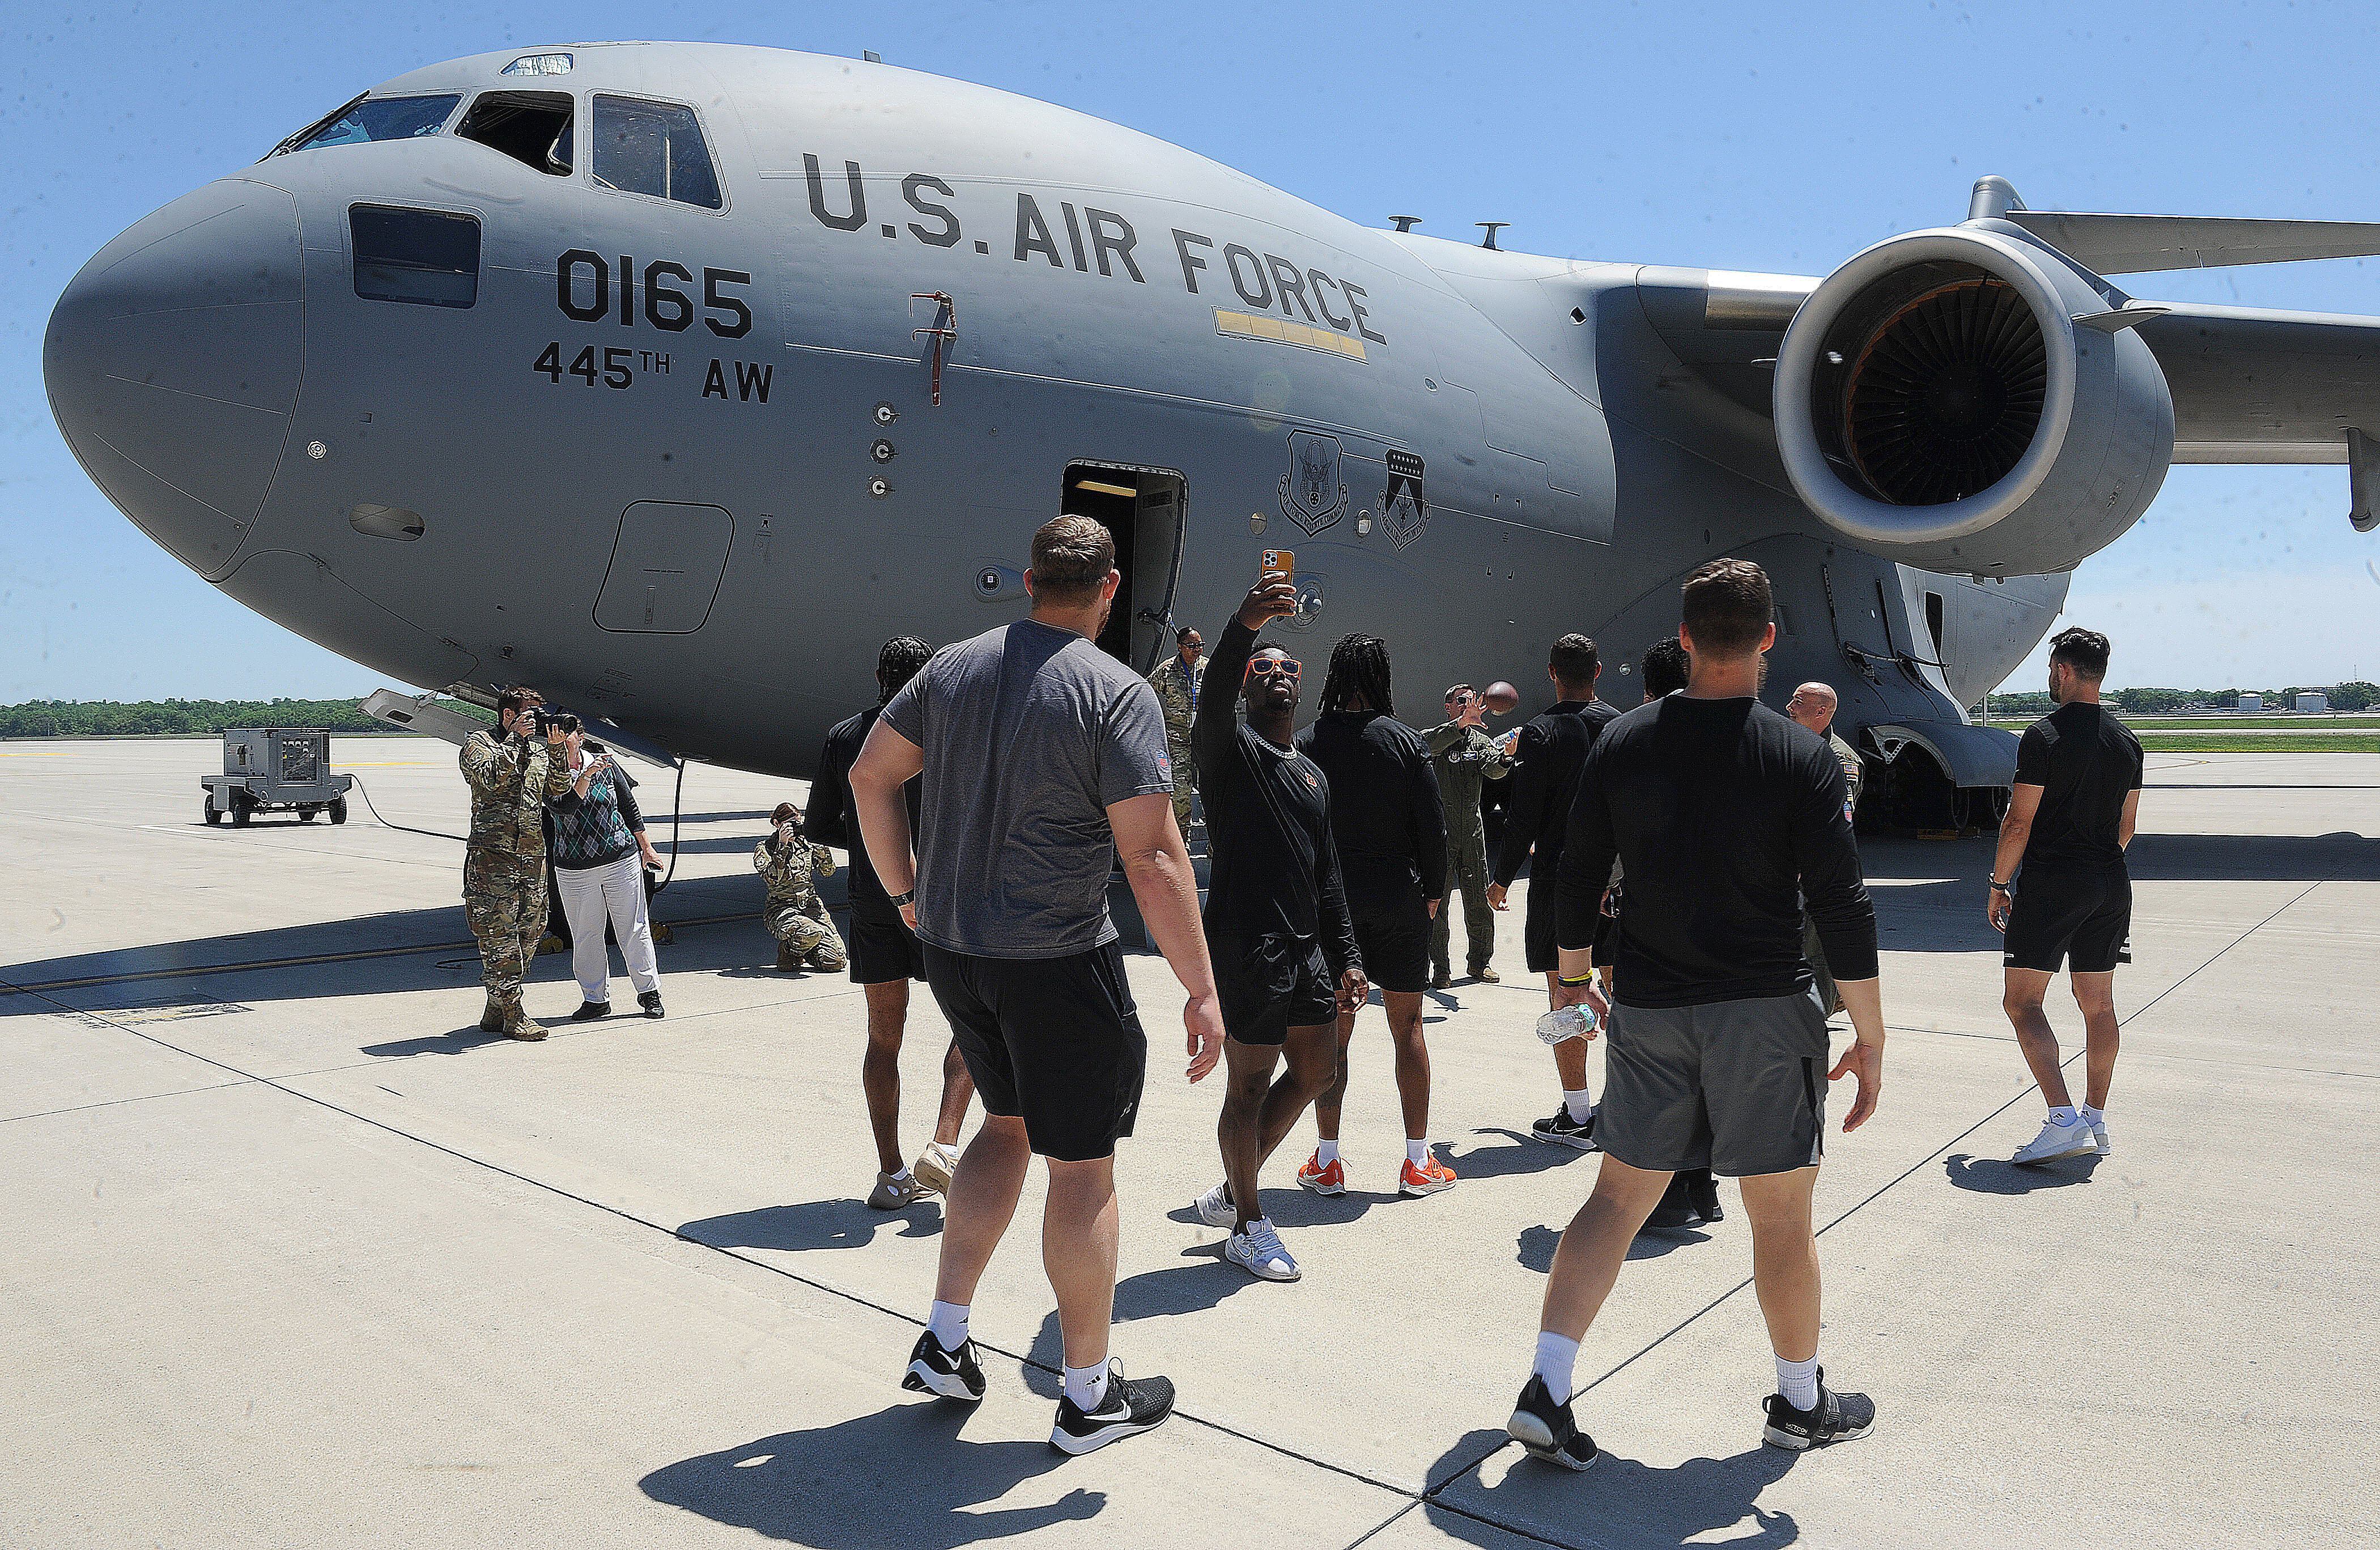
(674,378)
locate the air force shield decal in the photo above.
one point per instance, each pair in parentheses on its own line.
(1311,495)
(1402,505)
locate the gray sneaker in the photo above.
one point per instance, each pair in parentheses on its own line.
(891,1195)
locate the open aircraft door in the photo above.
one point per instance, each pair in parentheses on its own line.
(1148,509)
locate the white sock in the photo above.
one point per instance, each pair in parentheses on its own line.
(1579,1109)
(1327,1151)
(2092,1116)
(1088,1386)
(1798,1381)
(1557,1358)
(1418,1152)
(2061,1117)
(949,1324)
(903,1176)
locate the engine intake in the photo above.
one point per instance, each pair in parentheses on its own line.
(1936,402)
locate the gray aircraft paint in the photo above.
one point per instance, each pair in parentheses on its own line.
(1471,451)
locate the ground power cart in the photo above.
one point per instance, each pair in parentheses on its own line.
(280,767)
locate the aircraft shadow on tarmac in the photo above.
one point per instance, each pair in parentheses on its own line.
(1999,1176)
(1617,1505)
(832,1486)
(812,1224)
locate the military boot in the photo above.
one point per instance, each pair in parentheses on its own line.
(493,1019)
(519,1025)
(788,961)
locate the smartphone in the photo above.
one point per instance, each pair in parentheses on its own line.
(1279,565)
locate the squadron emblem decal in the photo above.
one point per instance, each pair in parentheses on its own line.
(1311,495)
(1402,505)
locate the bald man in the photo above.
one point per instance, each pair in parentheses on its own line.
(1813,707)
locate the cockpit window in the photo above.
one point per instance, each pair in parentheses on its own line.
(532,127)
(653,148)
(371,118)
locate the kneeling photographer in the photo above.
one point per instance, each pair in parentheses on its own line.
(600,850)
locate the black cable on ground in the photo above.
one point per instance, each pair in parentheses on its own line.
(435,834)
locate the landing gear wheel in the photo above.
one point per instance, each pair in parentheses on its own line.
(338,809)
(243,809)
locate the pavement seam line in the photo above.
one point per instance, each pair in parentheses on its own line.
(1024,1359)
(117,1103)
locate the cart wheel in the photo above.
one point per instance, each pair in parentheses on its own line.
(338,809)
(306,815)
(215,815)
(243,808)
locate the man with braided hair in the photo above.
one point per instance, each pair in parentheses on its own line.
(884,953)
(1391,831)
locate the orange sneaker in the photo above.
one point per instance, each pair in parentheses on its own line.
(1323,1180)
(1428,1178)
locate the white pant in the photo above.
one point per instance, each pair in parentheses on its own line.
(588,893)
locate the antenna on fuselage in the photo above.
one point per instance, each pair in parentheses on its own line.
(1491,229)
(1405,222)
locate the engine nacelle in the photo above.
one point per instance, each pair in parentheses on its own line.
(1936,402)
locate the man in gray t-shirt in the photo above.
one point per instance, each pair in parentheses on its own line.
(1030,734)
(1044,762)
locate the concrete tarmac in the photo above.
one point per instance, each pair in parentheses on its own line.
(295,1255)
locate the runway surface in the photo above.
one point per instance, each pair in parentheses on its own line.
(295,1255)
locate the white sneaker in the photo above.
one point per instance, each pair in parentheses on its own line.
(2057,1141)
(1257,1250)
(1215,1208)
(934,1166)
(2099,1135)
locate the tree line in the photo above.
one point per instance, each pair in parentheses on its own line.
(162,718)
(2356,696)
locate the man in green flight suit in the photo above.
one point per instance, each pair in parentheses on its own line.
(514,768)
(1465,755)
(1177,682)
(1813,706)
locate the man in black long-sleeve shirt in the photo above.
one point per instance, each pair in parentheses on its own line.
(1278,930)
(1727,816)
(1549,752)
(1390,830)
(884,953)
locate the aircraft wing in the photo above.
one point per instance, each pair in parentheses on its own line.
(2256,386)
(2139,244)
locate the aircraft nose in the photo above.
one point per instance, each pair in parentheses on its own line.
(173,363)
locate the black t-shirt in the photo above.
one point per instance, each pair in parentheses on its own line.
(1275,871)
(1727,816)
(831,819)
(1549,755)
(2085,762)
(1385,813)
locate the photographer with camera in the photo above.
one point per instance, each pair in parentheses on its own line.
(794,915)
(514,768)
(598,848)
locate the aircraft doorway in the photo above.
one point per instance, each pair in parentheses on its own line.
(1146,510)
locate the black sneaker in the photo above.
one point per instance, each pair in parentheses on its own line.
(1132,1405)
(1676,1208)
(949,1374)
(1547,1430)
(1703,1190)
(651,1002)
(1560,1127)
(590,1011)
(1835,1418)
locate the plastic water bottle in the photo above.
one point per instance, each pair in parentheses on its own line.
(1576,1022)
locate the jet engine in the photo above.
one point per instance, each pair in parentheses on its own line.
(1966,399)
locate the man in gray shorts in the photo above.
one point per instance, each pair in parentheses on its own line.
(1727,816)
(1044,763)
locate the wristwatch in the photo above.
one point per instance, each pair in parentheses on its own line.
(2007,887)
(897,899)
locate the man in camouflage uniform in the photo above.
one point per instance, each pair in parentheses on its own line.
(514,771)
(1813,706)
(1177,682)
(794,915)
(1466,756)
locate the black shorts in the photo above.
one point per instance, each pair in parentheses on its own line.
(1054,1041)
(1394,941)
(1739,1087)
(2080,920)
(884,950)
(1269,985)
(1539,938)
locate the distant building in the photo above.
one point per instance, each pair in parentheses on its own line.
(2252,702)
(2311,699)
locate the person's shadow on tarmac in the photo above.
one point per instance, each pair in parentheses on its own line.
(1618,1503)
(834,1486)
(812,1224)
(1999,1176)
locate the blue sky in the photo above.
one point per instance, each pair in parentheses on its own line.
(1766,136)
